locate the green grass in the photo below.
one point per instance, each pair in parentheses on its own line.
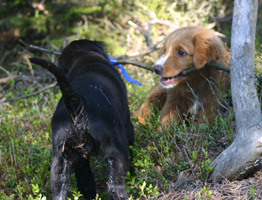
(25,155)
(25,144)
(159,157)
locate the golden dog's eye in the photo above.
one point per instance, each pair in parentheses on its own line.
(181,53)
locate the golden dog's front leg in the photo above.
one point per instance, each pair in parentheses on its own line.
(155,99)
(207,114)
(169,115)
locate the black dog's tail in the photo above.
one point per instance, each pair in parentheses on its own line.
(72,100)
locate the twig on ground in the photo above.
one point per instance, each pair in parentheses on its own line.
(155,20)
(29,95)
(145,32)
(141,53)
(5,71)
(17,77)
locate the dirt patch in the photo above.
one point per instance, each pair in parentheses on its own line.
(188,188)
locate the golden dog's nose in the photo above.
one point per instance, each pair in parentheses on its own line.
(158,69)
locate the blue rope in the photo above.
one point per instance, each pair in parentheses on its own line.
(125,74)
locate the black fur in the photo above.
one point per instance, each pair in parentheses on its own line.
(92,116)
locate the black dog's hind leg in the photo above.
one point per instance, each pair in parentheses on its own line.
(85,178)
(60,175)
(119,165)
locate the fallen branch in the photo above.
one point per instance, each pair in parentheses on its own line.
(29,95)
(10,76)
(141,53)
(4,70)
(17,77)
(145,32)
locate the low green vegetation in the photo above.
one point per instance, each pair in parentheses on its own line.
(159,157)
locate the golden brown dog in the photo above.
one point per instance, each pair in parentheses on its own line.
(197,94)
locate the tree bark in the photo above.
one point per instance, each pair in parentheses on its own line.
(244,154)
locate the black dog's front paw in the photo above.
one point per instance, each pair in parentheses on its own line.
(117,191)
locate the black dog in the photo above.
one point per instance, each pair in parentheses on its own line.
(92,116)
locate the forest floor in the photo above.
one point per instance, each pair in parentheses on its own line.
(187,188)
(163,170)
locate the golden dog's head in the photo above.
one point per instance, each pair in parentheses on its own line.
(186,48)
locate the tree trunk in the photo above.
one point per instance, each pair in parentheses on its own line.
(244,154)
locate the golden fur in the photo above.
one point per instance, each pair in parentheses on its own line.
(193,94)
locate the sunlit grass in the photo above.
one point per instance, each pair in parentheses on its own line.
(159,157)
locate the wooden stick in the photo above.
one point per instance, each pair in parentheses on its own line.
(138,64)
(30,46)
(184,73)
(132,62)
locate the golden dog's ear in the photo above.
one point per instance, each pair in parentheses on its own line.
(208,48)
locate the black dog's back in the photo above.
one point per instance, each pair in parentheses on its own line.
(92,116)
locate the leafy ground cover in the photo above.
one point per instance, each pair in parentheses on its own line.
(169,165)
